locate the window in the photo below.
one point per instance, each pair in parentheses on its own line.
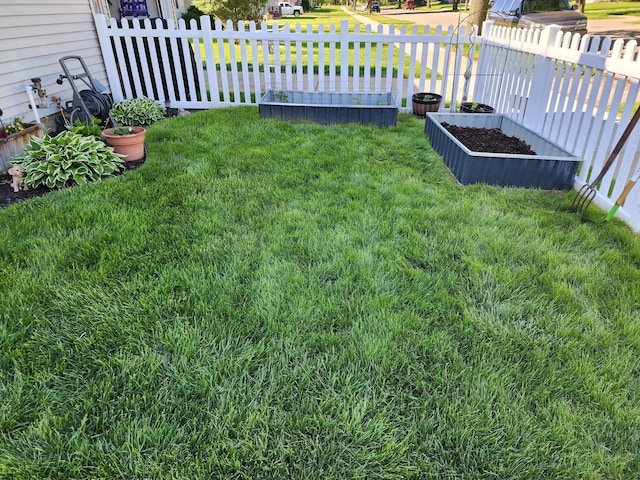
(530,6)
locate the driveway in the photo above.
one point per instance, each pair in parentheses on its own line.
(627,28)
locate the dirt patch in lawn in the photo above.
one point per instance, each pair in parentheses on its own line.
(9,197)
(488,140)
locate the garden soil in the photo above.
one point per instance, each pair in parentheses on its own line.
(488,140)
(9,197)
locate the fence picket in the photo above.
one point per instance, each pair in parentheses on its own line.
(156,82)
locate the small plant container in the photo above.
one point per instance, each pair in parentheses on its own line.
(471,107)
(15,143)
(329,108)
(424,102)
(551,169)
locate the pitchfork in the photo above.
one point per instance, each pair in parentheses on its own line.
(588,191)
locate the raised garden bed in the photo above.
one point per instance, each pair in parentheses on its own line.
(550,168)
(329,108)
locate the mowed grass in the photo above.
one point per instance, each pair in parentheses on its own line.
(327,18)
(270,300)
(609,10)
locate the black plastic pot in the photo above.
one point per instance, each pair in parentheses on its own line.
(425,102)
(471,107)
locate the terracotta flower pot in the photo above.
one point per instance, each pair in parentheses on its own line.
(425,102)
(472,107)
(130,145)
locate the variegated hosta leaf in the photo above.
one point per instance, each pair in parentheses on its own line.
(67,159)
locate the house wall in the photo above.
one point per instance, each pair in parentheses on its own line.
(34,35)
(152,7)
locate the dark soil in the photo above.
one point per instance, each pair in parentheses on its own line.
(8,196)
(488,140)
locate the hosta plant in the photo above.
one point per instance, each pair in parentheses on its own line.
(67,159)
(139,112)
(91,129)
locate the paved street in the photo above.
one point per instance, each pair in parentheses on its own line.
(625,27)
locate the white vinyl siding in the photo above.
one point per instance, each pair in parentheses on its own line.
(34,35)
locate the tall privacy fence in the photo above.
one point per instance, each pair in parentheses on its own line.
(577,92)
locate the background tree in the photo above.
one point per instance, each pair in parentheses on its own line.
(194,13)
(479,9)
(234,10)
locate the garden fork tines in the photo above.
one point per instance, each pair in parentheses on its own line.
(588,191)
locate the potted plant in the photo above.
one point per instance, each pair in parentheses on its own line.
(126,141)
(474,107)
(137,112)
(425,102)
(14,137)
(133,116)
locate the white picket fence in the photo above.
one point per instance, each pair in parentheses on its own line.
(577,92)
(238,62)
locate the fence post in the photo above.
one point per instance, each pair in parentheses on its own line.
(483,65)
(542,81)
(344,56)
(111,68)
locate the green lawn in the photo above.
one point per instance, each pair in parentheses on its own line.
(611,10)
(266,300)
(326,16)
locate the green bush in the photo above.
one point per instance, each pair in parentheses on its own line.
(141,112)
(92,129)
(195,12)
(67,159)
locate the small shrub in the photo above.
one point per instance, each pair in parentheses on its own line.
(194,12)
(122,131)
(141,112)
(92,129)
(67,159)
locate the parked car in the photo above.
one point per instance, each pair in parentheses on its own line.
(287,9)
(375,7)
(538,14)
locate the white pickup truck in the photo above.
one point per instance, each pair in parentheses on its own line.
(287,8)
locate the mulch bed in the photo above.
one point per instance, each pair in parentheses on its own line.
(9,197)
(488,140)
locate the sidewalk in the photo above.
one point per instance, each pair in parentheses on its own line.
(433,19)
(625,27)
